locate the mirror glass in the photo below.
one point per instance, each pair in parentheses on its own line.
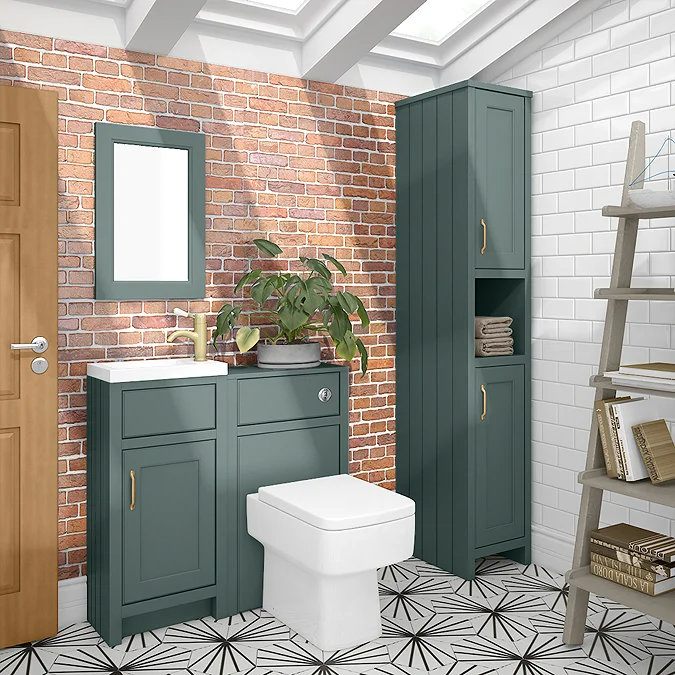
(150,226)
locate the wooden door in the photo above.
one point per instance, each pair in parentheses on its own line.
(500,181)
(500,455)
(169,536)
(269,459)
(28,401)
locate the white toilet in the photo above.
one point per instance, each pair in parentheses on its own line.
(324,540)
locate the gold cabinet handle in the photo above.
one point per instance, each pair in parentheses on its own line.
(482,222)
(132,475)
(482,388)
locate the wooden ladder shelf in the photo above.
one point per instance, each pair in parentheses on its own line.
(594,479)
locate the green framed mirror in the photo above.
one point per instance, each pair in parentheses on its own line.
(150,213)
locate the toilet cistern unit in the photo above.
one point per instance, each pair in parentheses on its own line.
(324,540)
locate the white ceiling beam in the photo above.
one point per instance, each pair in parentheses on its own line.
(349,34)
(503,27)
(155,26)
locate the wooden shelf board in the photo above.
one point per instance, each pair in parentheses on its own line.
(600,382)
(637,212)
(659,606)
(644,489)
(634,293)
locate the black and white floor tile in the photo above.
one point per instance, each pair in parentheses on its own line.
(508,621)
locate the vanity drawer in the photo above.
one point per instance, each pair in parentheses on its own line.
(282,399)
(168,410)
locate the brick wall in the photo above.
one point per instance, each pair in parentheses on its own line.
(589,84)
(308,163)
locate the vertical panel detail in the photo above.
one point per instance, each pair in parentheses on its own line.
(10,521)
(10,164)
(9,325)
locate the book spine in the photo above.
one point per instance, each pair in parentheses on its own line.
(614,564)
(630,557)
(647,458)
(620,466)
(605,442)
(637,584)
(622,441)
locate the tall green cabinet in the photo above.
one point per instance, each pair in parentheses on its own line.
(463,249)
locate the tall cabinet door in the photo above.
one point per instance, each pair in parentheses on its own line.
(169,534)
(499,454)
(499,165)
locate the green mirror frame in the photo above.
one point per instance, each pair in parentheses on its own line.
(107,288)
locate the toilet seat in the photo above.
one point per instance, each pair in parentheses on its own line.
(339,502)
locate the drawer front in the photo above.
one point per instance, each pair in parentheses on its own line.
(168,410)
(295,397)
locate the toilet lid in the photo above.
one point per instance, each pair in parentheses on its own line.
(337,502)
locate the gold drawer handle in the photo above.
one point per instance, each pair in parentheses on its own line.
(132,475)
(482,388)
(482,222)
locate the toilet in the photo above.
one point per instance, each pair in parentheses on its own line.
(324,540)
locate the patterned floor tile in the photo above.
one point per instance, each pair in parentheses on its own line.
(614,636)
(403,572)
(661,643)
(428,644)
(412,600)
(150,638)
(593,667)
(655,665)
(26,660)
(490,576)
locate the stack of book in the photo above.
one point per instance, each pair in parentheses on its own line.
(658,375)
(639,559)
(634,444)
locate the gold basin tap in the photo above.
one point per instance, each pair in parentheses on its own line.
(198,335)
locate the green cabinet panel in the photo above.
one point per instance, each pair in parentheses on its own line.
(500,456)
(169,536)
(500,175)
(268,459)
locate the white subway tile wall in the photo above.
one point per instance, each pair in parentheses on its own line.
(615,66)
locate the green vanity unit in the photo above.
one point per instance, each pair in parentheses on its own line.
(463,250)
(172,454)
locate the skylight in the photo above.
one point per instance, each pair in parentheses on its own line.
(436,19)
(292,6)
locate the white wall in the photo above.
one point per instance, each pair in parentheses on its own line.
(615,66)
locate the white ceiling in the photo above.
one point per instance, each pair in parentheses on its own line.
(401,46)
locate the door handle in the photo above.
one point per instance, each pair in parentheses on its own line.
(132,475)
(38,345)
(482,388)
(482,222)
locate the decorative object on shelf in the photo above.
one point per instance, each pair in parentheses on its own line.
(650,198)
(297,305)
(657,449)
(607,433)
(624,415)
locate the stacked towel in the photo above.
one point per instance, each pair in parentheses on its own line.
(493,336)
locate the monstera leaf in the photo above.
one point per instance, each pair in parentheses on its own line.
(247,338)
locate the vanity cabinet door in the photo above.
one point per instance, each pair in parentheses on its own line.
(269,459)
(500,181)
(169,535)
(500,455)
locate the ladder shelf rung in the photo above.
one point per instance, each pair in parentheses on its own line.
(601,382)
(637,212)
(634,293)
(660,606)
(644,489)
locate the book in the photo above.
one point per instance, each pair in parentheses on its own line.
(604,427)
(636,583)
(615,564)
(632,538)
(657,449)
(656,369)
(634,559)
(619,458)
(625,414)
(657,383)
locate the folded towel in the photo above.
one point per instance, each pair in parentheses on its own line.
(492,326)
(493,347)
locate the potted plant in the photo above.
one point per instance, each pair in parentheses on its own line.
(297,306)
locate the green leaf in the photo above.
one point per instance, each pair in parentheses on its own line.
(363,315)
(269,248)
(364,356)
(225,321)
(261,290)
(292,318)
(316,266)
(347,302)
(247,338)
(337,264)
(346,348)
(339,324)
(247,278)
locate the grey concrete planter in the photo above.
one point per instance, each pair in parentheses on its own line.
(305,355)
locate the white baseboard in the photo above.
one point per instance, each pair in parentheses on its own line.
(72,601)
(552,550)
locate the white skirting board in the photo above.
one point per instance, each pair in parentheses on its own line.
(552,550)
(72,601)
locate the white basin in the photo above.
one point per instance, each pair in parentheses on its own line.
(155,369)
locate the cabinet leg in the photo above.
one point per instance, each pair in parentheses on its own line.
(520,555)
(575,619)
(466,569)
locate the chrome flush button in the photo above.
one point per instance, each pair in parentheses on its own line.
(39,365)
(325,394)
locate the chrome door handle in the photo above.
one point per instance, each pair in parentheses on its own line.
(38,345)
